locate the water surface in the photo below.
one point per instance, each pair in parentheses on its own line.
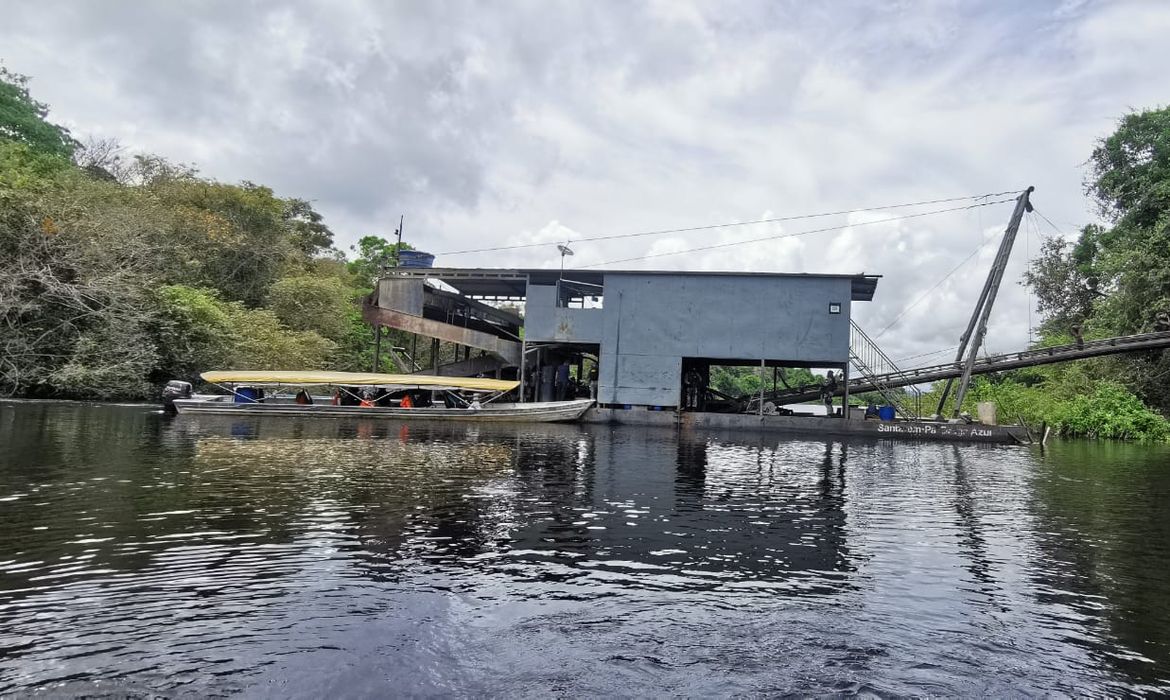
(143,555)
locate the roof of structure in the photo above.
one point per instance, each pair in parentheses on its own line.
(312,378)
(511,284)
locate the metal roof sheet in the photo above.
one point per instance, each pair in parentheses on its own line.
(504,283)
(356,379)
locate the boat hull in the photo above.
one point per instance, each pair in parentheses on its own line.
(543,412)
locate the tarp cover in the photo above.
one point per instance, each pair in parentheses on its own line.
(358,379)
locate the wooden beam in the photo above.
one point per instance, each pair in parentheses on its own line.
(507,350)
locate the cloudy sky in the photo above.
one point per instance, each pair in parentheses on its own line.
(501,123)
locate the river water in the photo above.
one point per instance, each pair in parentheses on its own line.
(142,556)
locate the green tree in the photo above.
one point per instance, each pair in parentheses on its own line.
(1117,278)
(108,361)
(309,303)
(23,119)
(373,255)
(307,228)
(261,342)
(193,332)
(745,381)
(1131,170)
(74,270)
(1064,291)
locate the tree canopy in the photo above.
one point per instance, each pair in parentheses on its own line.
(24,120)
(117,274)
(1115,280)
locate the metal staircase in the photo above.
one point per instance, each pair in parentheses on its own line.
(878,369)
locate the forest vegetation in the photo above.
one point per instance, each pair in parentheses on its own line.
(1114,279)
(119,272)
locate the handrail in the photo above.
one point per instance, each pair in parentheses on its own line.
(874,365)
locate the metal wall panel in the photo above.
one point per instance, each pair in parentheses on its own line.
(405,295)
(544,321)
(651,380)
(781,318)
(653,321)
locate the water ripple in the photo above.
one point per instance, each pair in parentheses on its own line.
(142,556)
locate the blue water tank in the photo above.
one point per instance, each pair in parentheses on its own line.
(246,394)
(886,413)
(415,258)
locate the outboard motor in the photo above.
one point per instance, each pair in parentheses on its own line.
(175,389)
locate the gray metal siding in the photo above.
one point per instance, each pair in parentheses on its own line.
(651,380)
(731,317)
(544,321)
(653,321)
(405,295)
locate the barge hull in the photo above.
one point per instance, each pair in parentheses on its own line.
(812,425)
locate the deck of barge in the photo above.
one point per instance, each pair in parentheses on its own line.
(810,425)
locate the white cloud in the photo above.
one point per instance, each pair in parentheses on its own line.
(517,123)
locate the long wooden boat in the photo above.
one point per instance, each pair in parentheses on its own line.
(542,412)
(464,398)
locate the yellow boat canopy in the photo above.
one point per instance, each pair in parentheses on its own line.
(421,381)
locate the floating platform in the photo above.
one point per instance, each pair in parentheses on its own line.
(813,425)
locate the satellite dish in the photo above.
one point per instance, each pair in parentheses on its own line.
(565,250)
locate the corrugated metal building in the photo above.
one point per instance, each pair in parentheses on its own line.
(644,331)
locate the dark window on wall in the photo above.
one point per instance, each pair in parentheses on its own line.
(579,295)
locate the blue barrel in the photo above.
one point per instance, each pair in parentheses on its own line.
(886,413)
(246,394)
(415,258)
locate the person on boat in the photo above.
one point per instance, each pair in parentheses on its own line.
(695,389)
(406,402)
(827,390)
(562,381)
(475,405)
(367,399)
(547,382)
(303,398)
(593,383)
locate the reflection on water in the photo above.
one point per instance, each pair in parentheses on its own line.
(143,555)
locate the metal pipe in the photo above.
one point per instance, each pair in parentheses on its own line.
(1022,205)
(845,401)
(987,296)
(762,388)
(523,362)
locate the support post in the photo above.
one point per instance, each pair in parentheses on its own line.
(845,401)
(983,311)
(398,248)
(523,365)
(762,389)
(435,355)
(377,347)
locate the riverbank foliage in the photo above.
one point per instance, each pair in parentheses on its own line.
(118,273)
(1073,400)
(1113,280)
